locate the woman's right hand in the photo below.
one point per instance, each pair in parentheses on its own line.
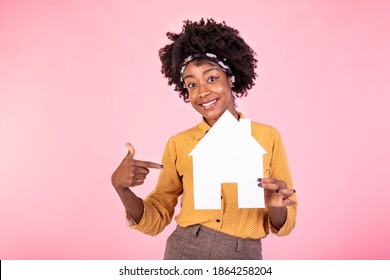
(131,172)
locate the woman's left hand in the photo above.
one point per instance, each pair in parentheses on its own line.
(276,193)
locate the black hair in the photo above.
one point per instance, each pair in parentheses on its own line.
(209,37)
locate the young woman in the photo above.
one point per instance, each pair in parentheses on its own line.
(210,65)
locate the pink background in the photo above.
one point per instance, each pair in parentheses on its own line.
(78,79)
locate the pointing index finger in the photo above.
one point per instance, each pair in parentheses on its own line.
(147,164)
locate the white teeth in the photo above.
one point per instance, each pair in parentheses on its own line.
(209,104)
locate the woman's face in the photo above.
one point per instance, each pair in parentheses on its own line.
(209,89)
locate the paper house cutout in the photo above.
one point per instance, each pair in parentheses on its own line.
(228,154)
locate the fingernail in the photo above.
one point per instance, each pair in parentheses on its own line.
(259,180)
(260,185)
(284,199)
(161,166)
(295,190)
(277,191)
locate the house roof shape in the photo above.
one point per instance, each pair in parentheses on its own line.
(229,131)
(228,154)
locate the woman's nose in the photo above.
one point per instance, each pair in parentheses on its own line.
(203,91)
(204,94)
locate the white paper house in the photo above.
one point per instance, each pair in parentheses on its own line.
(228,154)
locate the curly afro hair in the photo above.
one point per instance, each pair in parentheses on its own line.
(211,37)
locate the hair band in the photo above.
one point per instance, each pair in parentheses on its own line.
(209,56)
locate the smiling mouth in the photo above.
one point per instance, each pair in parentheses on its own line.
(209,105)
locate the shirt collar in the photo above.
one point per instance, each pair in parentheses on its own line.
(202,128)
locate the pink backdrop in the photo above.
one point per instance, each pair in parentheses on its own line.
(78,79)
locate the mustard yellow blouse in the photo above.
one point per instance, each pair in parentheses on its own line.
(176,180)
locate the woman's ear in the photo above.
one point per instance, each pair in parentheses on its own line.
(231,81)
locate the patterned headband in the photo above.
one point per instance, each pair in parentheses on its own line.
(209,56)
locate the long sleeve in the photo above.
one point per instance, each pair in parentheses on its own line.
(279,169)
(160,204)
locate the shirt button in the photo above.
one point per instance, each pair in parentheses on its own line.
(217,220)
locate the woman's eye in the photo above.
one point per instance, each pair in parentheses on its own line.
(213,79)
(191,85)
